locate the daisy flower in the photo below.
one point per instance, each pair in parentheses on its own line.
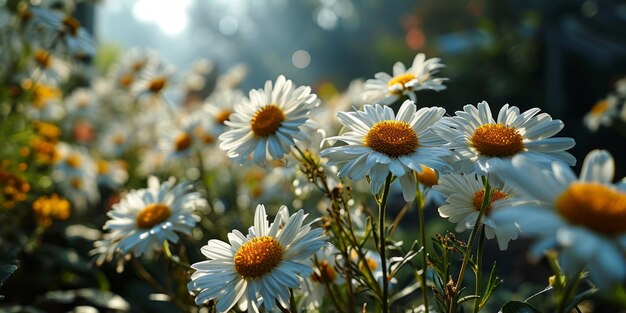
(268,125)
(464,197)
(373,261)
(385,89)
(153,82)
(115,139)
(82,103)
(481,143)
(63,27)
(601,114)
(380,142)
(49,69)
(195,78)
(131,65)
(112,174)
(46,101)
(177,142)
(324,272)
(232,78)
(583,217)
(266,263)
(220,105)
(75,173)
(106,250)
(144,218)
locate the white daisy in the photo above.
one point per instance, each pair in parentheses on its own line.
(584,217)
(46,102)
(269,124)
(112,174)
(464,196)
(153,82)
(481,143)
(385,89)
(144,218)
(59,27)
(232,78)
(82,103)
(116,139)
(602,113)
(374,261)
(105,250)
(380,142)
(324,273)
(265,263)
(75,173)
(49,69)
(177,142)
(220,105)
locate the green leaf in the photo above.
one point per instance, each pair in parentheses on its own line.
(518,307)
(493,283)
(6,270)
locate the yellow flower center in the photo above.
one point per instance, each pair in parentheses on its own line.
(126,80)
(223,116)
(369,262)
(428,177)
(258,257)
(393,138)
(595,206)
(43,58)
(267,120)
(73,160)
(72,25)
(182,142)
(479,196)
(600,107)
(42,94)
(138,65)
(326,273)
(497,140)
(118,139)
(153,214)
(399,80)
(157,84)
(103,167)
(76,183)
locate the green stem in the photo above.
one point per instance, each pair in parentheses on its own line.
(422,226)
(564,298)
(174,259)
(474,233)
(479,270)
(292,301)
(382,206)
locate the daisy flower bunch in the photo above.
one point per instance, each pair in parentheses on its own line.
(370,176)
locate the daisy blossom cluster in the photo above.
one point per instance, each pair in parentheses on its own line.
(137,185)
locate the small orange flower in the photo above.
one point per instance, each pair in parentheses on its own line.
(51,208)
(13,189)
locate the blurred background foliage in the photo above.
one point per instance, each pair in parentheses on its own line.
(562,56)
